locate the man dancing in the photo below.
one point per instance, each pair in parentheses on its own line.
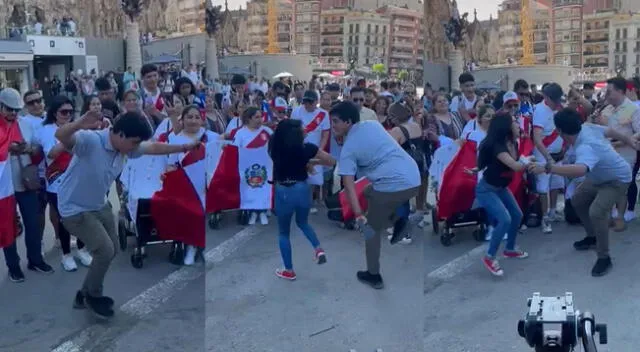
(607,177)
(371,152)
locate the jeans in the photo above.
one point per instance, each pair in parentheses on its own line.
(292,199)
(30,209)
(632,192)
(503,211)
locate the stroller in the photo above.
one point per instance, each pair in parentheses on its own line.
(469,218)
(143,229)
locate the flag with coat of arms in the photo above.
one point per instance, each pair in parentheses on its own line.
(238,178)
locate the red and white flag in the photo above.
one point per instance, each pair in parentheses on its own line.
(178,208)
(238,178)
(8,225)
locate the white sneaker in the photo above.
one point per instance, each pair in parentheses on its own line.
(84,256)
(546,225)
(404,240)
(68,263)
(313,210)
(264,219)
(614,213)
(487,236)
(629,215)
(253,218)
(190,256)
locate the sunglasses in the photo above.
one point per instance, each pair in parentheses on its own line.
(358,100)
(8,109)
(65,112)
(34,101)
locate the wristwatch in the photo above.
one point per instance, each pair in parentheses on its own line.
(547,167)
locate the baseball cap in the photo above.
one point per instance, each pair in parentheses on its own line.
(310,96)
(509,97)
(10,98)
(553,91)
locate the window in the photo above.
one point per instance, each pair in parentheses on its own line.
(617,46)
(369,28)
(624,46)
(618,33)
(357,28)
(351,28)
(377,29)
(624,33)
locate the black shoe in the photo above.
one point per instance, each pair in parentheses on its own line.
(16,275)
(399,230)
(602,267)
(99,306)
(585,244)
(374,281)
(79,301)
(41,267)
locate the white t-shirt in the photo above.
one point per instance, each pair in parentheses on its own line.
(543,119)
(244,136)
(182,139)
(318,117)
(235,122)
(456,102)
(36,124)
(477,136)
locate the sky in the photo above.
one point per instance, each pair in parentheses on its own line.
(485,7)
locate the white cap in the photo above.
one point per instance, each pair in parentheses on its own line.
(10,98)
(510,96)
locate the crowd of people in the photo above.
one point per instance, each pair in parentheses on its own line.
(322,137)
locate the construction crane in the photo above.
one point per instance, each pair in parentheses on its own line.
(527,14)
(272,23)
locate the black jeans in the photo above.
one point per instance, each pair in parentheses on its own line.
(30,209)
(63,234)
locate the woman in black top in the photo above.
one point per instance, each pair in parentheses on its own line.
(292,160)
(498,160)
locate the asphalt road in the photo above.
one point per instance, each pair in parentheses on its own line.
(436,299)
(468,310)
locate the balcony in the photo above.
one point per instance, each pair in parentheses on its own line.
(331,54)
(21,33)
(598,64)
(332,31)
(596,53)
(402,22)
(597,40)
(596,28)
(326,44)
(401,55)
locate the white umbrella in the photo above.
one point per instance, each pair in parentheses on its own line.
(283,75)
(326,75)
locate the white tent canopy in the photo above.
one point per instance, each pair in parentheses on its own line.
(283,75)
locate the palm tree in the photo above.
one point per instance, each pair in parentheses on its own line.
(132,10)
(212,21)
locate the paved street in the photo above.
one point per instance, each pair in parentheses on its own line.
(326,308)
(468,310)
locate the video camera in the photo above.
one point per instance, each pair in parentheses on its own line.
(553,325)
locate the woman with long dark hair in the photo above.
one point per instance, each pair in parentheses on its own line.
(498,160)
(60,112)
(292,160)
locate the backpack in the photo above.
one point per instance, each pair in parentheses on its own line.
(416,153)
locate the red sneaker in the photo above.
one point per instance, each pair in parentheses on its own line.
(516,253)
(320,257)
(493,266)
(286,274)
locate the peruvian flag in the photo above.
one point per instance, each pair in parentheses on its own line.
(8,224)
(238,178)
(178,208)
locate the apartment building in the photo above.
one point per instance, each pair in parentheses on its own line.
(366,38)
(370,5)
(510,31)
(591,6)
(624,47)
(596,41)
(406,40)
(566,26)
(332,40)
(306,24)
(257,26)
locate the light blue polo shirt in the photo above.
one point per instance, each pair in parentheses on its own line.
(370,151)
(93,168)
(595,151)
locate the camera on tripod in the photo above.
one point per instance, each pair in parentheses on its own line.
(552,324)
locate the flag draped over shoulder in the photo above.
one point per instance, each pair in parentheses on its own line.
(238,178)
(8,224)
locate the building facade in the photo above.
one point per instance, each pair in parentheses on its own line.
(406,40)
(435,12)
(566,26)
(332,40)
(306,24)
(367,39)
(624,47)
(510,32)
(257,26)
(596,43)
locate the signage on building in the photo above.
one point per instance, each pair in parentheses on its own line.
(44,45)
(16,57)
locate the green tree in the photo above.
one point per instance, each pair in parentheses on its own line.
(403,75)
(379,69)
